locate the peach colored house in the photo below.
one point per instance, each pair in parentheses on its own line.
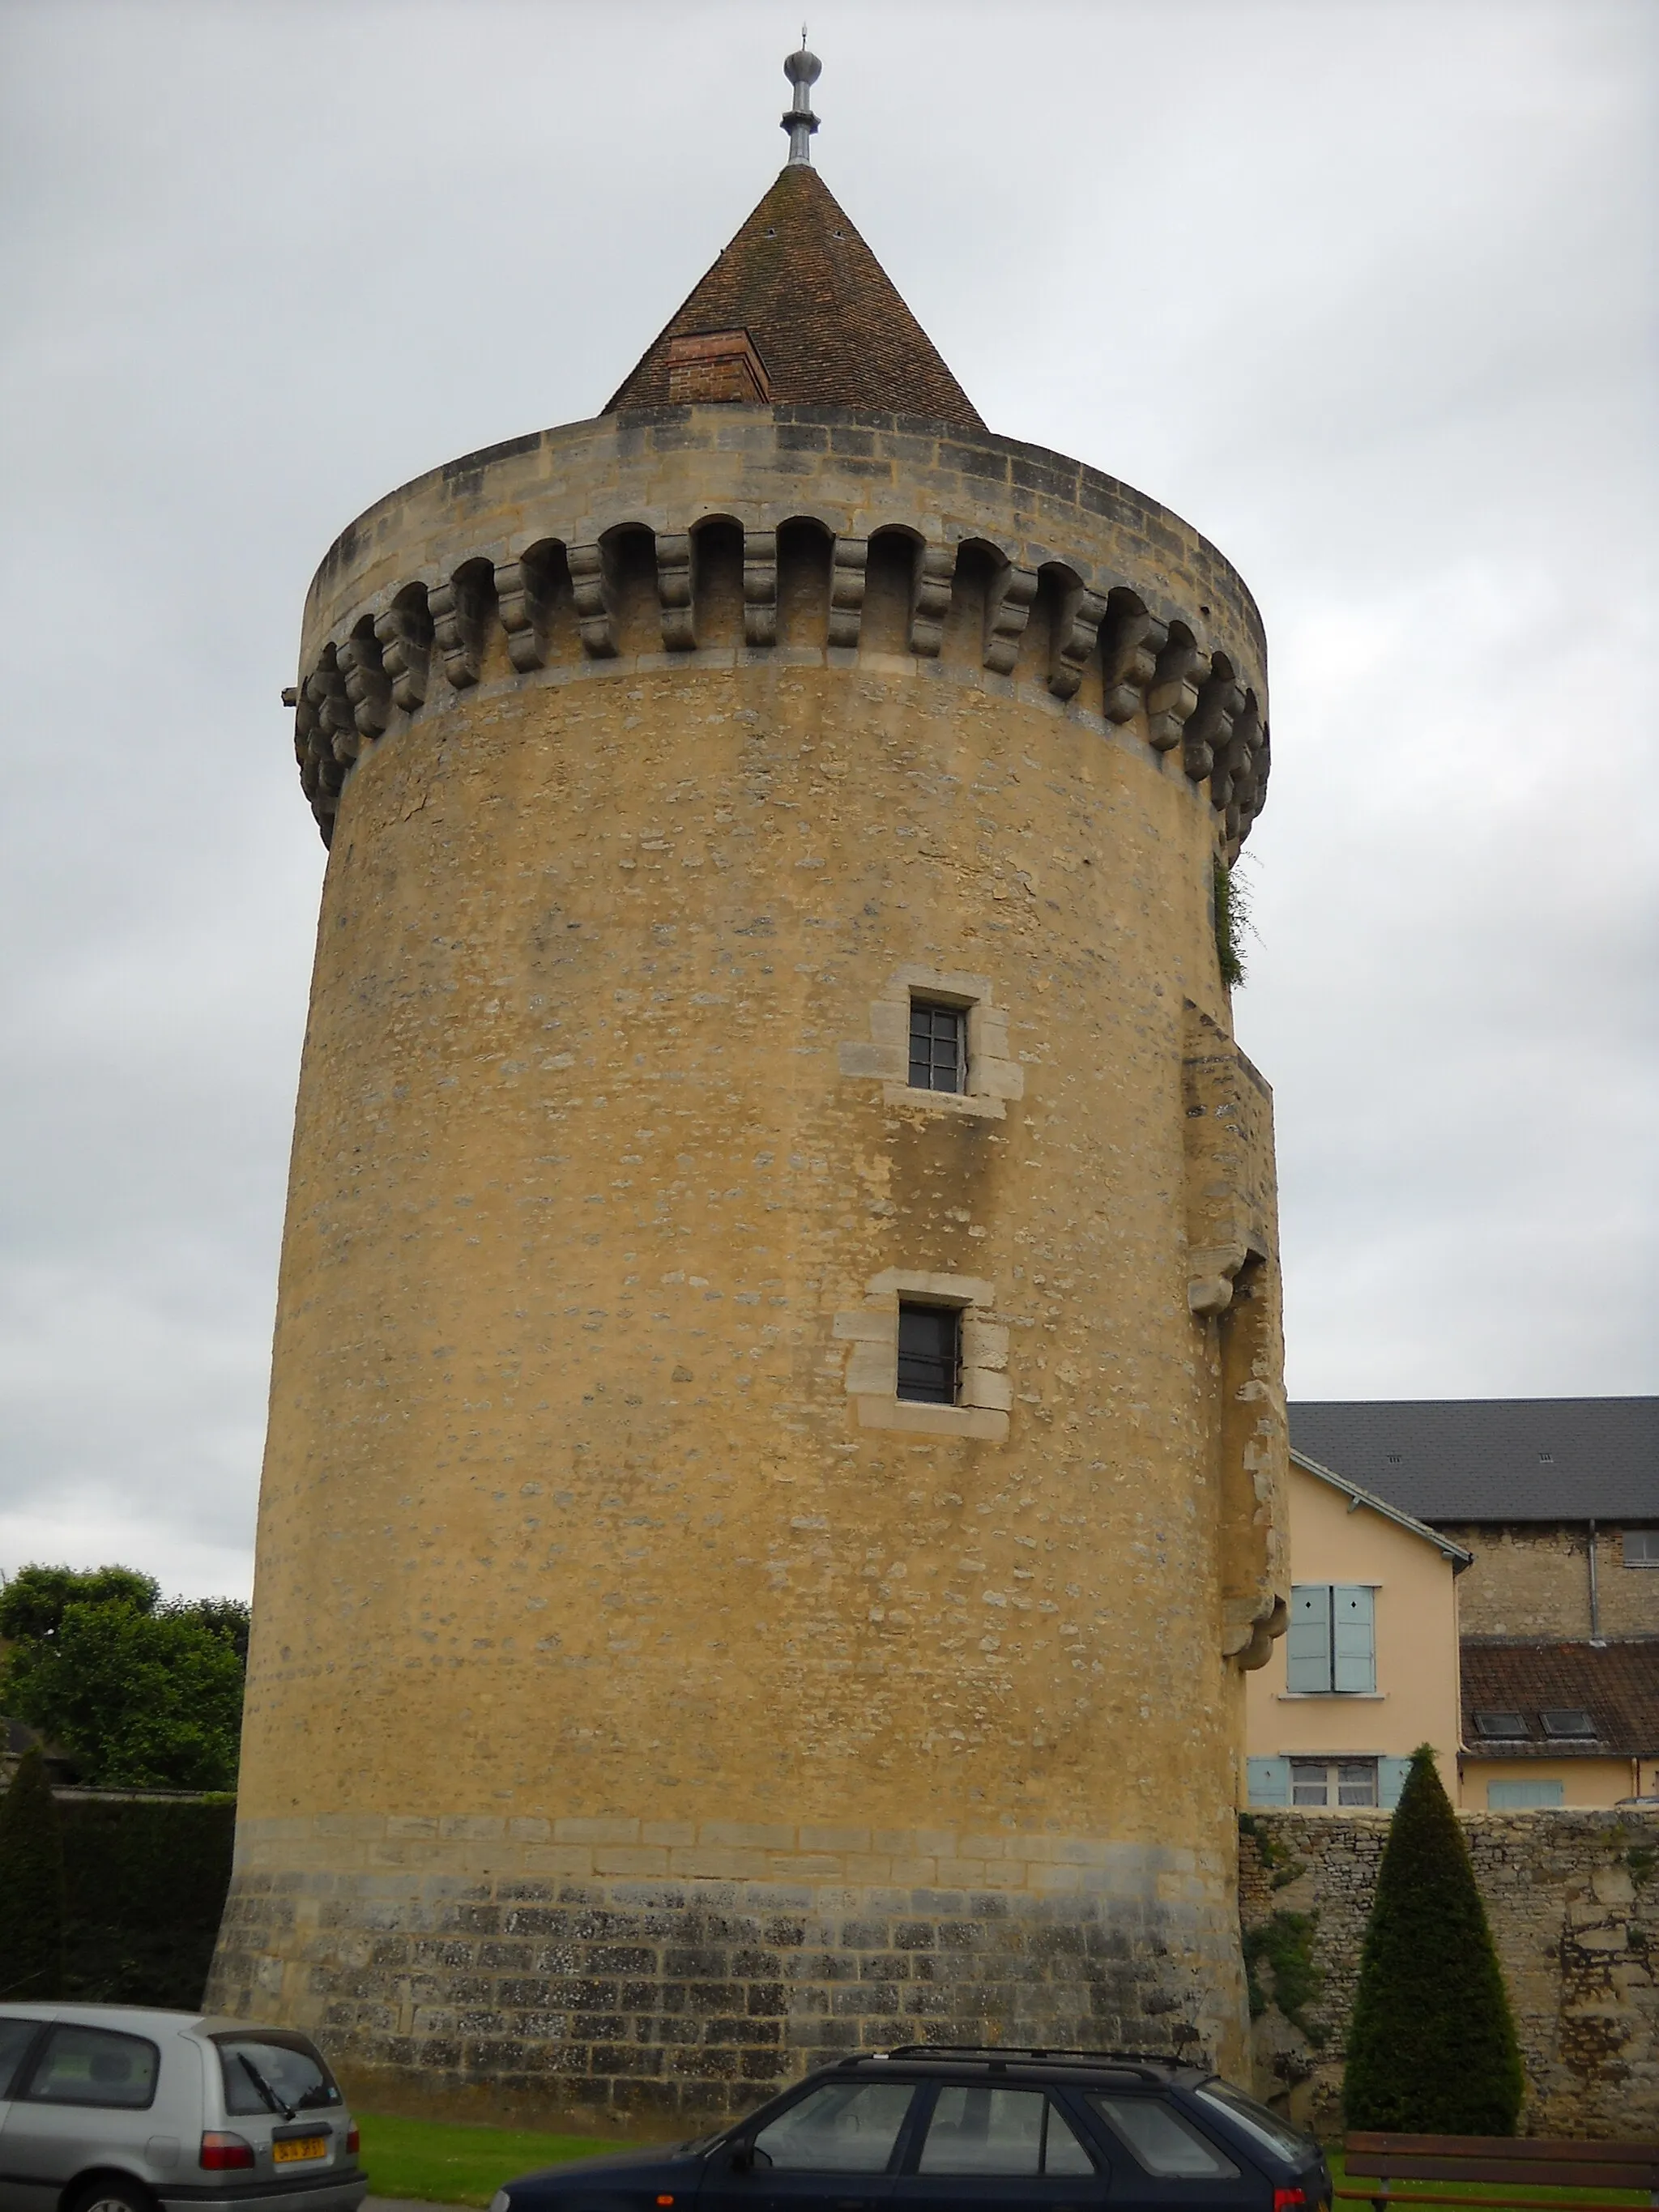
(1368,1669)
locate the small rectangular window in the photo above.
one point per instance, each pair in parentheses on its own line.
(1567,1720)
(938,1047)
(930,1353)
(1333,1782)
(1642,1547)
(1500,1723)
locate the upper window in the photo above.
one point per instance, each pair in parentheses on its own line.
(271,2072)
(846,2127)
(938,1047)
(1641,1547)
(1000,2132)
(1330,1647)
(930,1353)
(1164,2142)
(1567,1720)
(93,2066)
(1504,1723)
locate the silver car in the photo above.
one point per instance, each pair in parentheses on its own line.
(116,2108)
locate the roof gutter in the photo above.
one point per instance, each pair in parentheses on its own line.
(1459,1559)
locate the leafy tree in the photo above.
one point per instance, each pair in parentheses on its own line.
(30,1887)
(1431,2050)
(139,1694)
(34,1602)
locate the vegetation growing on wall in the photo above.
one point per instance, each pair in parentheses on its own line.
(1233,921)
(1431,2048)
(30,1887)
(1285,1945)
(138,1693)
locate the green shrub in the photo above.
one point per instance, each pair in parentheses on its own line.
(144,1883)
(30,1887)
(1431,2049)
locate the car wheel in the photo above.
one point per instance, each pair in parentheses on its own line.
(113,2194)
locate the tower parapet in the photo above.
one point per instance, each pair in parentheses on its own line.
(777,1433)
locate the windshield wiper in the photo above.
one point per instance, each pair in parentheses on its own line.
(264,2087)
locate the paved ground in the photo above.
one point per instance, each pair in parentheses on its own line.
(403,2204)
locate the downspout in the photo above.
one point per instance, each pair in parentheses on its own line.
(1594,1594)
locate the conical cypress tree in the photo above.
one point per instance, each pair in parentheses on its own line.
(1431,2048)
(30,1887)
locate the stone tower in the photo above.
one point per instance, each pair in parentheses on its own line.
(776,1429)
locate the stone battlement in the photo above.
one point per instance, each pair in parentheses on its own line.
(725,534)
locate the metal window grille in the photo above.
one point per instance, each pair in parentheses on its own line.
(930,1354)
(938,1047)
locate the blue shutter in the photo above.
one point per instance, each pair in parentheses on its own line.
(1308,1639)
(1353,1642)
(1390,1781)
(1523,1796)
(1269,1780)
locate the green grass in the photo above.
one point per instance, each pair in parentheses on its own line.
(447,2163)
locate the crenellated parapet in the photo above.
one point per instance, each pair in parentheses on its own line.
(723,534)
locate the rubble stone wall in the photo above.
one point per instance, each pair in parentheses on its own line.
(1574,1902)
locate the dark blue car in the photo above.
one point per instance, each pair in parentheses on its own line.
(1016,2130)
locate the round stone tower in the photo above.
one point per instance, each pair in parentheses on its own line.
(776,1430)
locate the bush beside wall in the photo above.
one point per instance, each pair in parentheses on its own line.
(144,1883)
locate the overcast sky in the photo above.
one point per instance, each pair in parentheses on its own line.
(1361,287)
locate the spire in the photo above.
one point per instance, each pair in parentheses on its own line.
(798,311)
(802,70)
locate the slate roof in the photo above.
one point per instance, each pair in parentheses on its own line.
(823,313)
(1473,1460)
(1616,1684)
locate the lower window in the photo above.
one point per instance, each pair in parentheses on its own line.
(930,1353)
(1333,1782)
(1524,1796)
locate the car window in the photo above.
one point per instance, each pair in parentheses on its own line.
(278,2074)
(846,2127)
(1162,2141)
(1261,2125)
(1018,2132)
(16,2037)
(94,2066)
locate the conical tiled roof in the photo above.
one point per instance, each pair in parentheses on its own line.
(821,311)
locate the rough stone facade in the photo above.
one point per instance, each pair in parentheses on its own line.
(1534,1579)
(1573,1899)
(642,1697)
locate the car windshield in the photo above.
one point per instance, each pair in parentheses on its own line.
(265,2072)
(1264,2127)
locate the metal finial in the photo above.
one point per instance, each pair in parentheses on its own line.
(802,70)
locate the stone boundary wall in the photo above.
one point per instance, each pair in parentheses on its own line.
(1574,1902)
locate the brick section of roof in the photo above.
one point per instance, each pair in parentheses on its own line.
(1461,1459)
(1616,1684)
(822,313)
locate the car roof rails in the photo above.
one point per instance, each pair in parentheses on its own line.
(1138,2061)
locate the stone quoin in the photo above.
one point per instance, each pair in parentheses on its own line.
(649,1695)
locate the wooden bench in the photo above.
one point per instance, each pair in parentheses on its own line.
(1514,2163)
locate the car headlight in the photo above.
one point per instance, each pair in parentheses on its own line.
(501,2201)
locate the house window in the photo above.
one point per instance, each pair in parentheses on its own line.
(938,1047)
(1642,1547)
(1333,1782)
(1331,1646)
(1523,1796)
(930,1353)
(1567,1720)
(1500,1724)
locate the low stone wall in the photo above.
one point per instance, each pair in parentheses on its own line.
(1574,1902)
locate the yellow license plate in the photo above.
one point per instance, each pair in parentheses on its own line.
(298,2146)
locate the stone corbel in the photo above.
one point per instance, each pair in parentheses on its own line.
(1173,694)
(591,583)
(521,602)
(325,689)
(1129,659)
(760,587)
(1210,726)
(679,631)
(1075,633)
(1007,611)
(367,685)
(406,652)
(930,597)
(846,575)
(1212,1270)
(458,630)
(1248,1634)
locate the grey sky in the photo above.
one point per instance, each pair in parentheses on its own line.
(1363,290)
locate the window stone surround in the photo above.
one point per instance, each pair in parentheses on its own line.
(994,1074)
(870,1332)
